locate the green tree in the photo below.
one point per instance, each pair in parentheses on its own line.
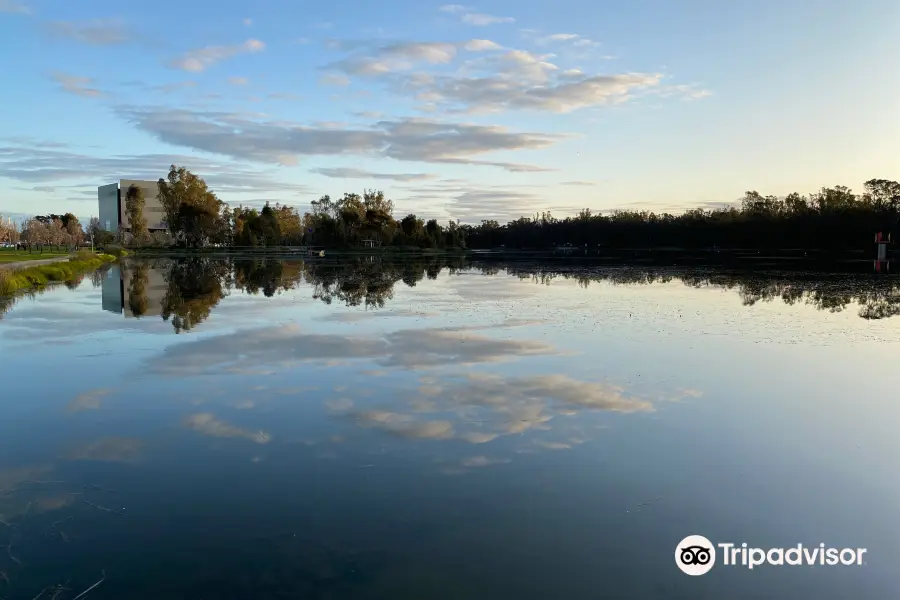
(134,211)
(193,212)
(270,230)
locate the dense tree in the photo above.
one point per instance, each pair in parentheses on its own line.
(830,219)
(134,210)
(193,213)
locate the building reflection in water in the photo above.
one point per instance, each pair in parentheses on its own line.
(135,291)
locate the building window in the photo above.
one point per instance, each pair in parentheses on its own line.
(107,224)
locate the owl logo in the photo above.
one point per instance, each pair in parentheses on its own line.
(695,555)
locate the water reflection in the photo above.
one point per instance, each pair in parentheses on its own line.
(186,292)
(379,429)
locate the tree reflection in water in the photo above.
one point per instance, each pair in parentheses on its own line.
(195,286)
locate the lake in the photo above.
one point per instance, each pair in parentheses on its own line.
(375,429)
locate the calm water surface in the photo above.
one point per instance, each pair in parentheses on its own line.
(208,430)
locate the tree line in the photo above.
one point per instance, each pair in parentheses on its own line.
(830,219)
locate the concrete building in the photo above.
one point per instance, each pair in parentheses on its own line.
(111,201)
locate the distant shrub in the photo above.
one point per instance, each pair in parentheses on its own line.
(83,255)
(115,250)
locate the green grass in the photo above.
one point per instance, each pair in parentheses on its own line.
(10,256)
(28,278)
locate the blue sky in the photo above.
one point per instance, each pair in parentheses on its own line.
(487,110)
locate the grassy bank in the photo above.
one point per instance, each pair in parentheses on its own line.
(11,256)
(28,278)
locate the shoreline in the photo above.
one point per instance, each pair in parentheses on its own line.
(24,264)
(30,277)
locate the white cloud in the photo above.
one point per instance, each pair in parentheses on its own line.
(576,39)
(482,20)
(249,137)
(396,57)
(499,81)
(481,45)
(13,7)
(334,79)
(96,32)
(351,173)
(168,88)
(473,18)
(238,81)
(522,80)
(36,163)
(208,424)
(73,84)
(203,58)
(483,461)
(281,347)
(248,22)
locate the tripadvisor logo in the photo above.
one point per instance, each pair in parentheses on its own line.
(696,555)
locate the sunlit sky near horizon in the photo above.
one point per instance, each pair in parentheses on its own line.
(490,110)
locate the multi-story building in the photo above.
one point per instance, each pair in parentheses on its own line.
(111,200)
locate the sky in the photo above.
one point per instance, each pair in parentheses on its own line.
(491,110)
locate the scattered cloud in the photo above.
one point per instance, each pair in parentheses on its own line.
(111,449)
(248,137)
(351,173)
(168,88)
(269,349)
(238,81)
(395,57)
(473,18)
(479,408)
(201,59)
(95,32)
(554,445)
(483,461)
(91,400)
(574,38)
(34,162)
(369,114)
(482,20)
(283,96)
(481,45)
(496,82)
(14,7)
(684,91)
(208,424)
(13,477)
(334,79)
(73,84)
(248,22)
(405,426)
